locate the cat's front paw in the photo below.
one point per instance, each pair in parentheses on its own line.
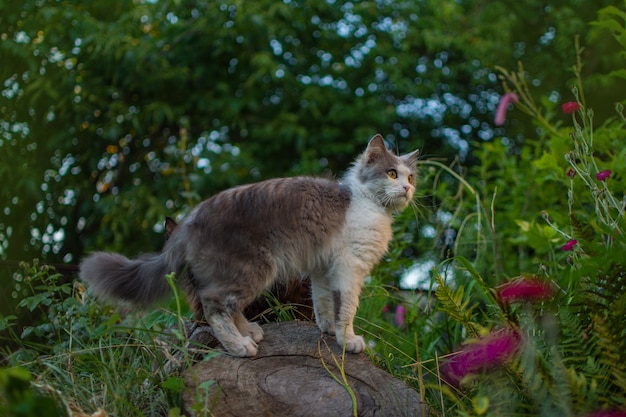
(326,326)
(246,349)
(355,344)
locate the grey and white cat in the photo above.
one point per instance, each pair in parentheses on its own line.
(240,241)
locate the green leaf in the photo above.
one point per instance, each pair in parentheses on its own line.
(174,384)
(205,385)
(35,301)
(7,321)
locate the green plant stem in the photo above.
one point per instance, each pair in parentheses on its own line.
(467,185)
(343,381)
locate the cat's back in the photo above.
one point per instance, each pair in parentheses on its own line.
(298,204)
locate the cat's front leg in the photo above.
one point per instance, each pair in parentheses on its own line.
(323,305)
(346,302)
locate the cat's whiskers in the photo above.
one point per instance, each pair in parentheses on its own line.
(415,208)
(417,205)
(385,198)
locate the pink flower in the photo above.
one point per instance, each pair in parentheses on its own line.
(524,289)
(505,100)
(487,353)
(570,107)
(571,172)
(385,309)
(603,175)
(569,245)
(399,318)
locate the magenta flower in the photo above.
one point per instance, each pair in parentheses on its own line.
(571,172)
(524,289)
(503,105)
(570,107)
(399,317)
(569,245)
(487,353)
(603,175)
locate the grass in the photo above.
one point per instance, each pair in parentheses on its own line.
(119,374)
(94,357)
(341,379)
(408,352)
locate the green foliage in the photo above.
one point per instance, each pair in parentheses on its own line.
(79,353)
(571,360)
(543,192)
(20,398)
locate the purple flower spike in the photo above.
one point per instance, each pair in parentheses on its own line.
(571,172)
(569,245)
(570,107)
(505,100)
(487,353)
(603,175)
(525,289)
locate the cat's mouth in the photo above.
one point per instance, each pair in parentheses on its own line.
(399,201)
(404,199)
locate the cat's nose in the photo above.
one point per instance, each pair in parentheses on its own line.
(406,188)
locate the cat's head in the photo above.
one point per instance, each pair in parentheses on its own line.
(388,177)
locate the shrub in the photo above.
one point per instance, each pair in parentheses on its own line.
(553,340)
(79,355)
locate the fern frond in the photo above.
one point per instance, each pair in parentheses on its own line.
(582,229)
(456,304)
(612,282)
(576,344)
(593,341)
(612,356)
(584,389)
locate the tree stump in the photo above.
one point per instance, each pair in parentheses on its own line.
(297,372)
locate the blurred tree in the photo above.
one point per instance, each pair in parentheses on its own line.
(116,114)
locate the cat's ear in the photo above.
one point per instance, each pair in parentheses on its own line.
(170,226)
(375,148)
(411,158)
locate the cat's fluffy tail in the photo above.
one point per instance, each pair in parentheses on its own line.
(114,277)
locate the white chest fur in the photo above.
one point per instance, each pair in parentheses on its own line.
(367,231)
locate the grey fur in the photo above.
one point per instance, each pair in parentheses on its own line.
(115,277)
(237,243)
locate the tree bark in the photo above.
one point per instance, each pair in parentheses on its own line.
(297,372)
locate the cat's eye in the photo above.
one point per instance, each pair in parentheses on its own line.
(411,179)
(393,174)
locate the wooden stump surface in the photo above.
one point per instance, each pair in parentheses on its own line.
(288,378)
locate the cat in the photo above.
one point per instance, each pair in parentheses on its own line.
(242,240)
(294,293)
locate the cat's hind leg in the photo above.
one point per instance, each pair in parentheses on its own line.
(230,286)
(248,328)
(222,320)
